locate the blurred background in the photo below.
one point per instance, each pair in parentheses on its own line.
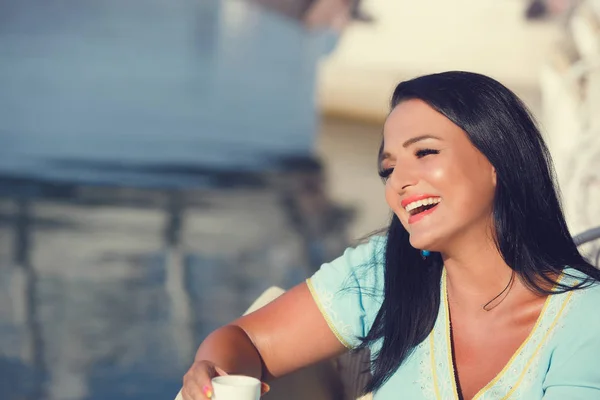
(164,162)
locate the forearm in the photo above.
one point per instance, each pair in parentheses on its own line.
(231,349)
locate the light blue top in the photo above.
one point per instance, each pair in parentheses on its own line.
(560,359)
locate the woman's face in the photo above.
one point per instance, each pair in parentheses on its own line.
(438,184)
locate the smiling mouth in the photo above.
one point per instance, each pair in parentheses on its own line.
(421,209)
(420,206)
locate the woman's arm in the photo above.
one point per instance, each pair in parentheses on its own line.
(290,333)
(312,322)
(283,336)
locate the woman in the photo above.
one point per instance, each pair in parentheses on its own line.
(476,291)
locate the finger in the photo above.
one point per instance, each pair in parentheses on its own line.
(264,388)
(185,390)
(192,391)
(207,391)
(201,374)
(202,393)
(187,393)
(197,383)
(184,394)
(219,371)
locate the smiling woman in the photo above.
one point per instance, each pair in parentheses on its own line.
(444,167)
(476,291)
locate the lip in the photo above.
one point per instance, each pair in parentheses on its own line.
(416,197)
(416,218)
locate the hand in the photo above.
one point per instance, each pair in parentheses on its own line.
(197,381)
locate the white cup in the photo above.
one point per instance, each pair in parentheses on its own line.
(235,387)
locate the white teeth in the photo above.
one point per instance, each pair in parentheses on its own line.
(424,202)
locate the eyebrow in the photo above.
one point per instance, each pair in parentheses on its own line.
(418,139)
(386,155)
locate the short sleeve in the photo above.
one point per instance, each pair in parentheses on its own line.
(574,370)
(349,290)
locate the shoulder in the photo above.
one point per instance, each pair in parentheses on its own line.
(574,365)
(371,251)
(348,290)
(360,263)
(585,300)
(580,307)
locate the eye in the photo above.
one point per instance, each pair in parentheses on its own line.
(425,152)
(385,173)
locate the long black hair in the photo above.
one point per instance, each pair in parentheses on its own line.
(531,232)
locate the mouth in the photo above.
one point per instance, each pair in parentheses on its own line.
(418,209)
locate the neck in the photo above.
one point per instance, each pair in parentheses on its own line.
(476,275)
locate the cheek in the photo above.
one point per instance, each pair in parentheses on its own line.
(484,197)
(438,173)
(476,195)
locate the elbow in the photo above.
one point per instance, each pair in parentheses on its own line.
(232,349)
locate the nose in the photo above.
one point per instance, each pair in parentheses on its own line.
(402,178)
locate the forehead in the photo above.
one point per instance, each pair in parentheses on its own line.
(413,118)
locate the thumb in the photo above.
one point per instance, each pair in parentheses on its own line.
(264,388)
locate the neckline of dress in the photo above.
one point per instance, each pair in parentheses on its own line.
(516,353)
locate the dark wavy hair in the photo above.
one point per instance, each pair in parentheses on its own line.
(531,232)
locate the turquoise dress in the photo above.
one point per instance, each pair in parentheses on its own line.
(560,359)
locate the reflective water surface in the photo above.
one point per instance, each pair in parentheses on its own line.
(106,292)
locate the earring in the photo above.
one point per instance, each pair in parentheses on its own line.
(425,254)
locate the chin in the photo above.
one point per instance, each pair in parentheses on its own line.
(420,244)
(424,242)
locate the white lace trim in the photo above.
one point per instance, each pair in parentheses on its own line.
(340,328)
(524,369)
(436,371)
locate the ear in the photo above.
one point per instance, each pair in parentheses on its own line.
(494,177)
